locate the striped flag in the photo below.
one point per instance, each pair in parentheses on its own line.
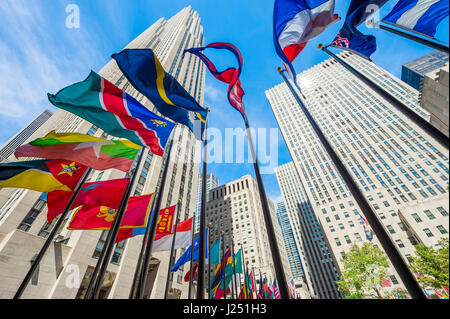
(276,291)
(421,16)
(292,288)
(103,104)
(385,282)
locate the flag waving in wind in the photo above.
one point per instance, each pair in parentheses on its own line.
(103,104)
(230,75)
(144,71)
(349,37)
(295,22)
(422,16)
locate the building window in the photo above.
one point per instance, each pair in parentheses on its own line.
(347,239)
(338,242)
(34,212)
(394,280)
(442,211)
(428,232)
(416,218)
(400,243)
(429,214)
(442,229)
(118,251)
(391,229)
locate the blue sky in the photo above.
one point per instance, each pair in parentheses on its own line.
(38,54)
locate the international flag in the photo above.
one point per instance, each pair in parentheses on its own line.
(385,282)
(260,294)
(238,262)
(186,257)
(266,289)
(440,296)
(427,294)
(215,252)
(295,22)
(144,71)
(188,274)
(420,16)
(95,152)
(102,217)
(42,175)
(363,220)
(292,288)
(445,289)
(163,227)
(230,76)
(163,242)
(276,291)
(349,37)
(103,104)
(218,273)
(104,193)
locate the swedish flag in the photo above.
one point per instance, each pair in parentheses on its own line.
(143,70)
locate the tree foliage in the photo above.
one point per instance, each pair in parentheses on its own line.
(364,267)
(432,265)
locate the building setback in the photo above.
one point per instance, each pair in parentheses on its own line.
(235,210)
(211,182)
(23,226)
(394,162)
(320,271)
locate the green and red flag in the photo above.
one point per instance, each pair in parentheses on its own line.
(106,193)
(102,217)
(103,104)
(95,152)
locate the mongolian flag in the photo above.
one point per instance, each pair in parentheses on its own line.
(349,37)
(105,193)
(144,71)
(419,16)
(42,175)
(103,104)
(102,217)
(95,152)
(230,75)
(295,22)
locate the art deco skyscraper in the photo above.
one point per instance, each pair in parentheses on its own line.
(394,162)
(23,213)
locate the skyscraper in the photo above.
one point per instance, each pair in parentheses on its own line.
(211,182)
(235,210)
(10,146)
(319,264)
(414,71)
(22,212)
(394,162)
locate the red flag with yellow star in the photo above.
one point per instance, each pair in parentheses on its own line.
(102,217)
(105,193)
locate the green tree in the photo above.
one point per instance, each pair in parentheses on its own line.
(432,265)
(364,267)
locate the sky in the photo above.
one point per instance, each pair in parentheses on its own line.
(39,54)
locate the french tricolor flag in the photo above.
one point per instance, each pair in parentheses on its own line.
(295,22)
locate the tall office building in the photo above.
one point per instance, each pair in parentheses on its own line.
(319,264)
(23,226)
(10,146)
(434,97)
(394,162)
(211,182)
(414,71)
(235,210)
(292,251)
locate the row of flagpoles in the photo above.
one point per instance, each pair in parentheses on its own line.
(100,102)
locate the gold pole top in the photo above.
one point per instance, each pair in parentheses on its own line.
(320,46)
(279,69)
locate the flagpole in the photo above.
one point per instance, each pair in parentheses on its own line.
(166,292)
(413,116)
(388,246)
(149,236)
(191,262)
(209,259)
(260,283)
(50,237)
(141,253)
(245,273)
(201,240)
(424,41)
(284,292)
(234,270)
(223,265)
(104,259)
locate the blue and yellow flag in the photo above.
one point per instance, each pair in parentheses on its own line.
(143,70)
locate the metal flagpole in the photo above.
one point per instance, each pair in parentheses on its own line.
(391,250)
(201,240)
(50,237)
(141,253)
(166,291)
(261,284)
(245,274)
(223,266)
(209,259)
(413,116)
(104,259)
(284,292)
(424,41)
(190,264)
(150,231)
(234,270)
